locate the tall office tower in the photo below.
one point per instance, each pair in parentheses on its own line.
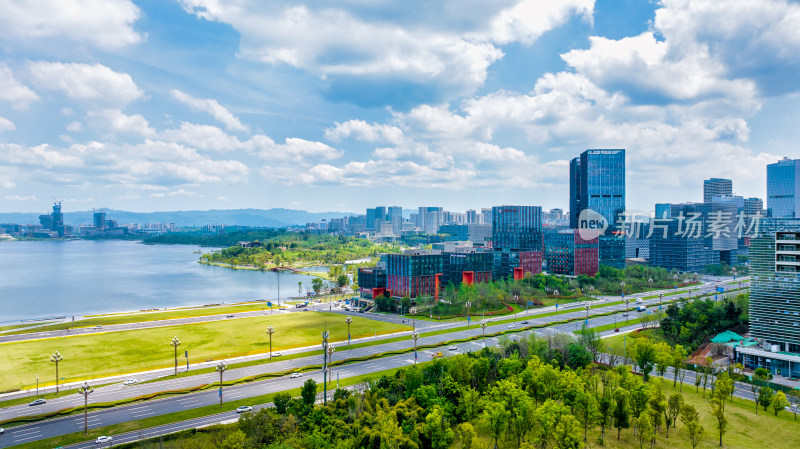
(472,216)
(783,188)
(373,215)
(394,215)
(774,300)
(430,218)
(517,227)
(753,206)
(597,182)
(663,210)
(100,221)
(574,191)
(716,187)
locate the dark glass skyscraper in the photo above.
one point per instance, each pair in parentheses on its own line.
(517,227)
(783,188)
(597,182)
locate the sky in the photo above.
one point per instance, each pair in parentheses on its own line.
(319,105)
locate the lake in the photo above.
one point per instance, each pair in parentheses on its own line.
(40,279)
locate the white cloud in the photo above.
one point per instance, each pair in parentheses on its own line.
(93,83)
(106,24)
(117,122)
(75,127)
(361,130)
(294,149)
(28,198)
(14,92)
(383,45)
(212,107)
(204,137)
(6,125)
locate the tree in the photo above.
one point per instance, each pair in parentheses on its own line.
(645,357)
(691,419)
(678,364)
(718,411)
(317,284)
(496,417)
(765,398)
(663,357)
(308,393)
(437,429)
(794,402)
(606,408)
(622,411)
(466,434)
(586,409)
(300,288)
(646,431)
(779,402)
(674,405)
(281,401)
(342,281)
(568,433)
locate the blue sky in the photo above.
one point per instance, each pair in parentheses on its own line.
(319,105)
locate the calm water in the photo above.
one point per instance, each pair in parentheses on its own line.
(63,278)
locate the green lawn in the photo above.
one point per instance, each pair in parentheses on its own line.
(103,354)
(124,318)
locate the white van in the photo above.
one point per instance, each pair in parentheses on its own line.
(638,300)
(641,309)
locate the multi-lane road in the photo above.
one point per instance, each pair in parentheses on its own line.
(101,418)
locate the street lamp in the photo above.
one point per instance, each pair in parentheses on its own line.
(221,367)
(270,331)
(740,285)
(175,343)
(415,337)
(325,367)
(85,390)
(56,358)
(626,309)
(483,328)
(660,296)
(622,288)
(413,317)
(587,315)
(348,320)
(650,281)
(331,349)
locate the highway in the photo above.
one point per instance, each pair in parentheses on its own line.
(73,423)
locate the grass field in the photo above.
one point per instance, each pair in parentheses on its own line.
(124,318)
(103,354)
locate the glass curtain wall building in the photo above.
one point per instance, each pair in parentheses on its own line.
(783,189)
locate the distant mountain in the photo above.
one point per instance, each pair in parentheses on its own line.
(244,217)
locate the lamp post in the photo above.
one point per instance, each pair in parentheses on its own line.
(175,343)
(466,311)
(622,288)
(348,320)
(325,367)
(331,349)
(221,367)
(56,358)
(85,390)
(270,331)
(675,279)
(661,296)
(733,271)
(483,328)
(650,281)
(415,337)
(740,285)
(626,309)
(413,317)
(586,322)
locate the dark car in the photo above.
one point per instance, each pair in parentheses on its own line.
(39,401)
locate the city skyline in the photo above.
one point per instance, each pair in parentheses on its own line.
(190,105)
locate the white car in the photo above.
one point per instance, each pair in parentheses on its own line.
(510,326)
(130,382)
(452,348)
(276,354)
(244,408)
(2,430)
(296,375)
(103,439)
